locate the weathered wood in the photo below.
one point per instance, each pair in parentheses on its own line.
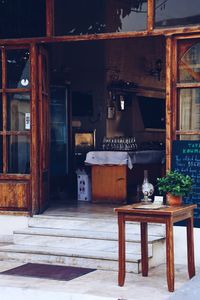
(34,131)
(4,109)
(109,183)
(150,15)
(168,101)
(190,246)
(188,132)
(188,85)
(14,195)
(121,250)
(49,18)
(154,32)
(144,248)
(170,254)
(174,72)
(15,176)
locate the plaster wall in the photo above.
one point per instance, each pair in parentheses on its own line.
(10,223)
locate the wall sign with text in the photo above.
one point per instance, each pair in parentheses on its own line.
(186,159)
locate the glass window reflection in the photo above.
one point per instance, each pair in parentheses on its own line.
(18,111)
(22,18)
(18,68)
(189,65)
(189,109)
(18,154)
(92,17)
(169,13)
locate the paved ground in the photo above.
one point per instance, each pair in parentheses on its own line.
(98,285)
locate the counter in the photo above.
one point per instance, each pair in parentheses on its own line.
(110,171)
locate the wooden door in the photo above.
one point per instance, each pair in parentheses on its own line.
(15,128)
(43,95)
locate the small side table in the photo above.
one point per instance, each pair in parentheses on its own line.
(164,215)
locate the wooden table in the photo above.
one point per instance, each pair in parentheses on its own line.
(167,216)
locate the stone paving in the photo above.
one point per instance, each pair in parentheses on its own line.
(98,285)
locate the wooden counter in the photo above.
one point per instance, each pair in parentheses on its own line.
(109,183)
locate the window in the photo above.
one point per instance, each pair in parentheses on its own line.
(15,122)
(172,13)
(21,18)
(188,90)
(79,17)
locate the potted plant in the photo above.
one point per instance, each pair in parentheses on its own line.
(175,185)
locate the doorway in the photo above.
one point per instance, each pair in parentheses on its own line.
(85,79)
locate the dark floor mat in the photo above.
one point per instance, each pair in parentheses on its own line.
(48,271)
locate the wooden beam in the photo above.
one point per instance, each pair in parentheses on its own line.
(168,102)
(34,132)
(108,36)
(49,18)
(150,15)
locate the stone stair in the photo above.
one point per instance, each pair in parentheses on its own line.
(85,242)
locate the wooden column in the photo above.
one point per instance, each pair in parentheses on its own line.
(168,102)
(34,132)
(49,18)
(150,15)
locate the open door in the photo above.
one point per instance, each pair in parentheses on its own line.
(43,128)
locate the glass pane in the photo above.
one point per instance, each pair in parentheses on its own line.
(189,65)
(1,115)
(18,154)
(176,13)
(1,154)
(189,109)
(18,68)
(18,110)
(22,18)
(185,137)
(79,17)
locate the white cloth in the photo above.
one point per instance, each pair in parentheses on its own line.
(125,158)
(109,158)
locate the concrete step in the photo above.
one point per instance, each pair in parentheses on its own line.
(83,242)
(80,233)
(90,258)
(88,224)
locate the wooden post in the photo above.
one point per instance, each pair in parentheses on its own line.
(4,109)
(49,18)
(150,15)
(168,102)
(34,133)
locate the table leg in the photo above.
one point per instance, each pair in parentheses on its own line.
(190,247)
(122,249)
(170,254)
(144,248)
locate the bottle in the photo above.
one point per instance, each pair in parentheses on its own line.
(147,188)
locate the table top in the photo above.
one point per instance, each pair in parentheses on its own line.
(135,209)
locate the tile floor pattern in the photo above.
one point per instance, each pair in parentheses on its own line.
(98,283)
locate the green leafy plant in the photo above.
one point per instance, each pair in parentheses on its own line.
(175,183)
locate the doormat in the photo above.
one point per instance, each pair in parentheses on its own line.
(48,271)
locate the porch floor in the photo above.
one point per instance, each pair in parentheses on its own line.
(81,209)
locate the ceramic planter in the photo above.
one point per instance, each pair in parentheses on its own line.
(174,200)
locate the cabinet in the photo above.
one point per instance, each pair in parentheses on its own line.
(109,183)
